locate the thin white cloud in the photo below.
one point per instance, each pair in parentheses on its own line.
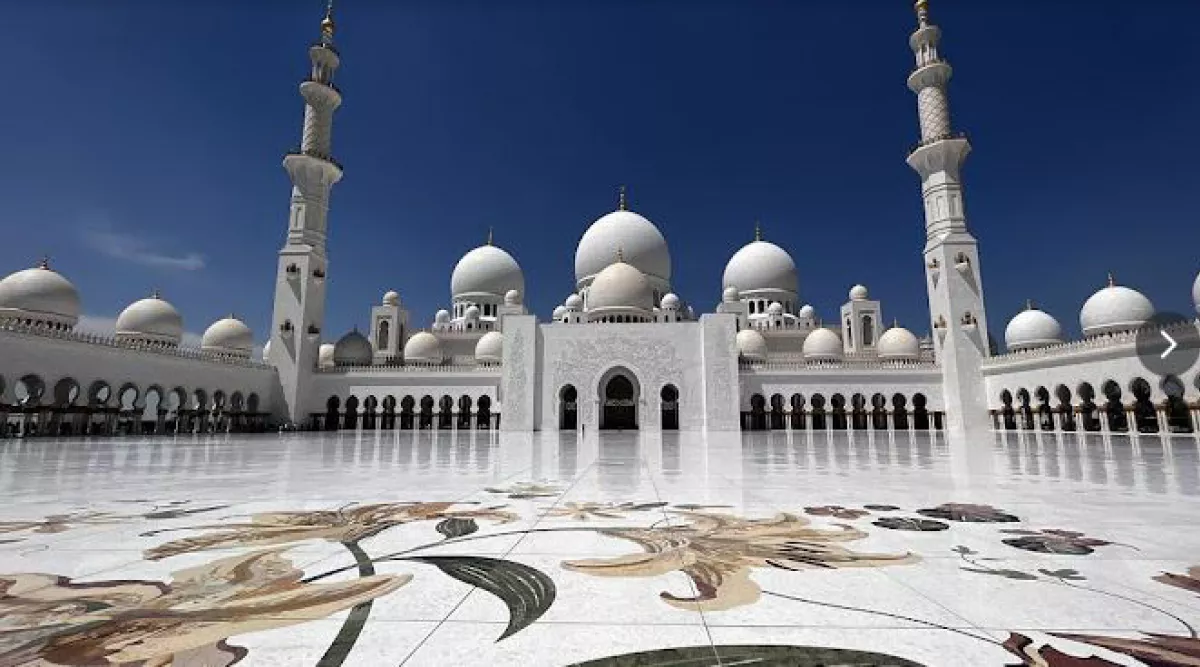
(107,326)
(131,248)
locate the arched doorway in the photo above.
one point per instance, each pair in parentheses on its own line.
(568,408)
(619,403)
(670,408)
(332,406)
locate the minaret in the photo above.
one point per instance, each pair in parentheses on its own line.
(296,327)
(951,253)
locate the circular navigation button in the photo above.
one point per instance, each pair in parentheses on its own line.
(1169,344)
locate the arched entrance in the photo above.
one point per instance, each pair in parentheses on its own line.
(568,408)
(670,408)
(619,397)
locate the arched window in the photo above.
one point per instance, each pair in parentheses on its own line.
(753,307)
(381,341)
(849,332)
(868,330)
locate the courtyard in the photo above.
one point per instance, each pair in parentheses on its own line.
(433,548)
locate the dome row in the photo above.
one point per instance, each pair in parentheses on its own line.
(354,349)
(895,344)
(41,296)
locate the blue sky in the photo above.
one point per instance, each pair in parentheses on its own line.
(144,141)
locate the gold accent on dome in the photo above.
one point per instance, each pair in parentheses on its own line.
(1029,305)
(622,204)
(1112,282)
(489,236)
(620,254)
(922,9)
(328,27)
(156,294)
(44,263)
(757,230)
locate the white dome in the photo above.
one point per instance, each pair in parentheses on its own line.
(642,245)
(823,344)
(151,318)
(898,343)
(490,348)
(574,303)
(1114,308)
(442,316)
(486,270)
(1196,293)
(858,293)
(1032,328)
(669,301)
(353,349)
(751,345)
(267,352)
(39,291)
(391,298)
(512,297)
(761,265)
(472,312)
(325,355)
(807,312)
(423,347)
(559,311)
(731,294)
(228,335)
(775,308)
(620,285)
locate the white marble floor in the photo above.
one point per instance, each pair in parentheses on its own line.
(434,549)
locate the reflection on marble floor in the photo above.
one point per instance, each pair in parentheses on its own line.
(475,548)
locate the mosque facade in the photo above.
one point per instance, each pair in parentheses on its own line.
(622,351)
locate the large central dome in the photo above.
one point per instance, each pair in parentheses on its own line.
(486,270)
(640,243)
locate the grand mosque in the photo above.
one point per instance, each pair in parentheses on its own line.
(622,351)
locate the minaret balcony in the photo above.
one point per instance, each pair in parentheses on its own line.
(320,94)
(935,73)
(298,152)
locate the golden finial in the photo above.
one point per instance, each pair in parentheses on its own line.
(155,294)
(622,205)
(327,25)
(922,7)
(489,238)
(757,231)
(1111,281)
(1029,305)
(45,263)
(620,254)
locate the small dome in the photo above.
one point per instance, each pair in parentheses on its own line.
(423,348)
(898,343)
(229,336)
(807,312)
(823,344)
(441,317)
(267,352)
(643,245)
(761,265)
(1196,293)
(858,293)
(1032,328)
(775,308)
(472,312)
(559,311)
(353,349)
(490,348)
(512,297)
(731,294)
(620,285)
(391,298)
(751,345)
(325,355)
(669,301)
(574,303)
(1114,308)
(39,291)
(150,319)
(486,270)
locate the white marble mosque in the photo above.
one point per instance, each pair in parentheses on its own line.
(623,351)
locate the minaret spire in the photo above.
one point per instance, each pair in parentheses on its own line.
(757,231)
(489,238)
(299,280)
(956,305)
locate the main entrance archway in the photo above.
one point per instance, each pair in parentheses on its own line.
(618,401)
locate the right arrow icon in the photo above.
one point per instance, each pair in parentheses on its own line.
(1170,348)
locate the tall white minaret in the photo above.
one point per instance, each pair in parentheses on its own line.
(951,253)
(296,327)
